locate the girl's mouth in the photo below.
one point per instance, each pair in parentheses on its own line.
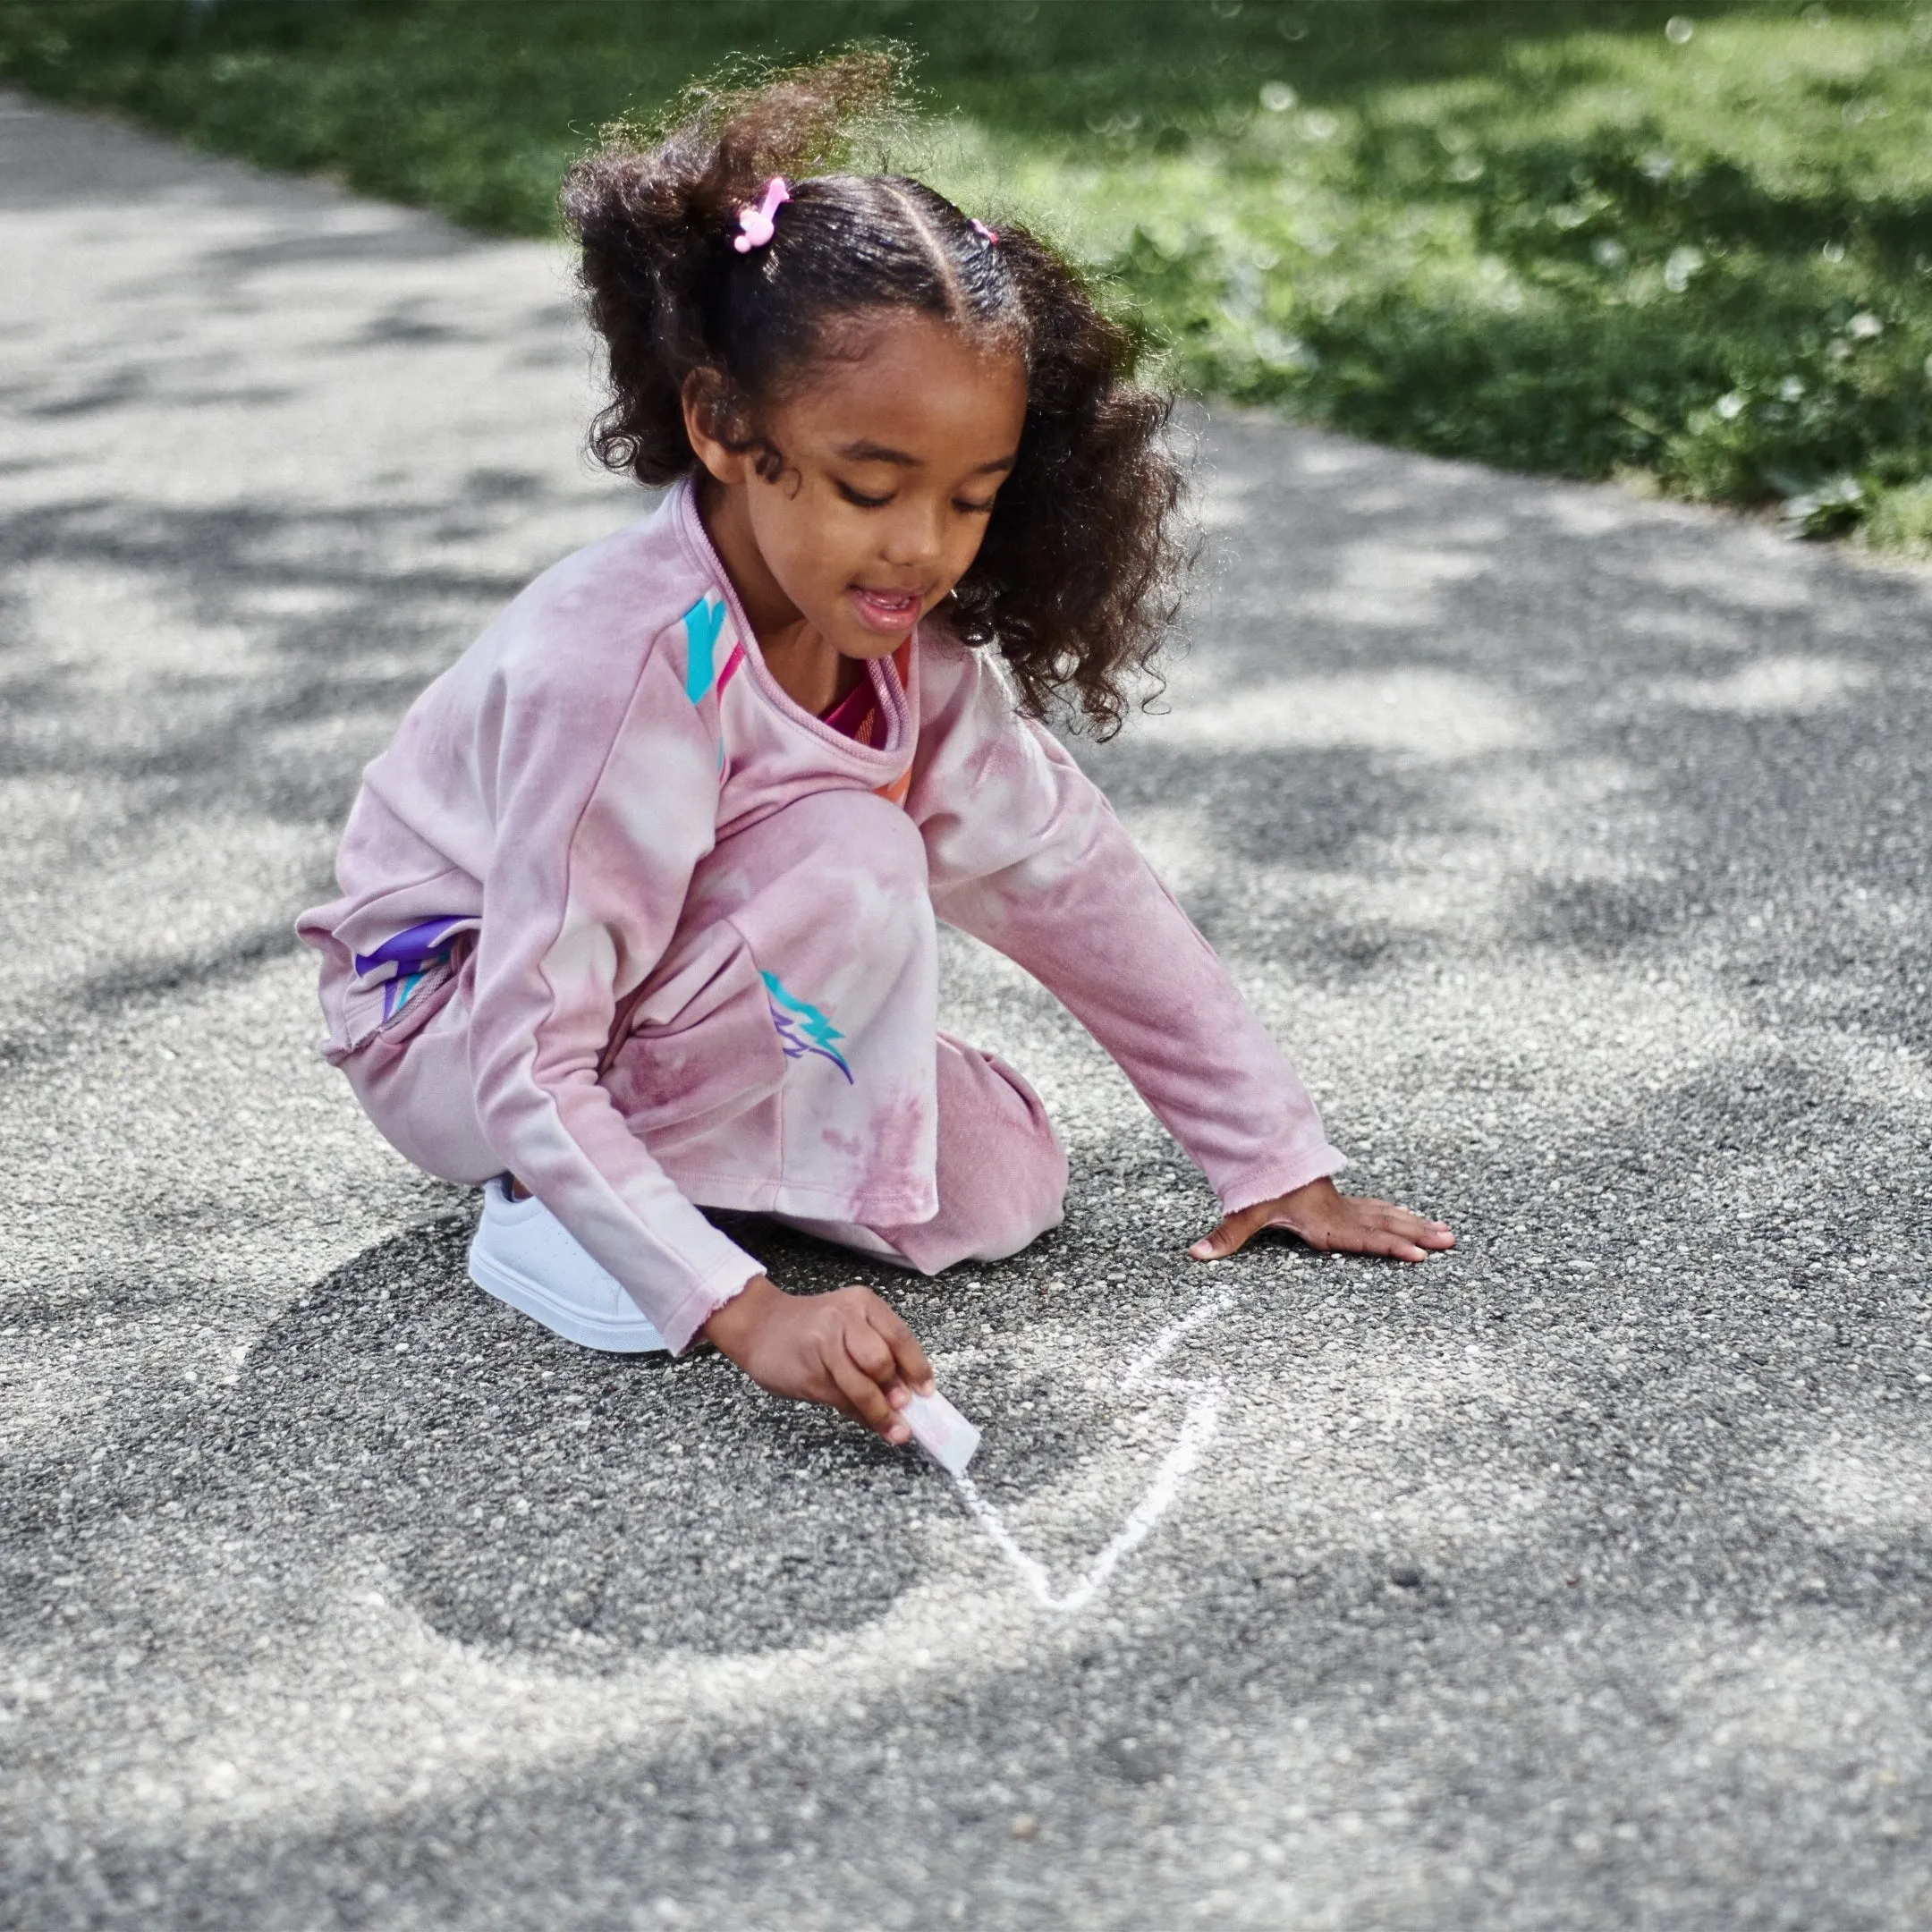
(890,613)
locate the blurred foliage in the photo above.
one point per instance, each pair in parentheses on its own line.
(1556,234)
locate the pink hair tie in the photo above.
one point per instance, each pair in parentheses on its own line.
(989,235)
(756,224)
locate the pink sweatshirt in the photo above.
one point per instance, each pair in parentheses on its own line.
(553,793)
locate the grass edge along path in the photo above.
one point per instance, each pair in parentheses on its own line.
(1591,239)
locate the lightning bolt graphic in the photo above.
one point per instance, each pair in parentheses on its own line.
(801,1026)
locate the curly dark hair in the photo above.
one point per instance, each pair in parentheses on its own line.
(1077,578)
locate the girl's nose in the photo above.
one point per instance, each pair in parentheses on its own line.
(916,539)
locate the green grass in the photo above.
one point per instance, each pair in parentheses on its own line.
(1547,235)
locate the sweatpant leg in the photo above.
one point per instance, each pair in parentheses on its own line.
(418,1094)
(1001,1170)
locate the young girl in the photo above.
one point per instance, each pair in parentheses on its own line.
(637,912)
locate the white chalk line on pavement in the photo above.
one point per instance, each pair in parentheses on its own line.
(1198,1427)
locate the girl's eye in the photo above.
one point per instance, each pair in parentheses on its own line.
(974,509)
(863,502)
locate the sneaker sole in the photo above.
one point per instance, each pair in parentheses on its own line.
(634,1336)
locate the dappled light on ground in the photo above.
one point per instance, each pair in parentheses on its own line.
(1572,845)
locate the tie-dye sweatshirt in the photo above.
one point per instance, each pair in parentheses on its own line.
(551,795)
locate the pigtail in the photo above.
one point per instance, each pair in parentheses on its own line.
(653,216)
(1079,578)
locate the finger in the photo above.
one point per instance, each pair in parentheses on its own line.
(869,1348)
(819,1385)
(1412,1226)
(1423,1237)
(1382,1238)
(1397,1248)
(1233,1233)
(830,1398)
(914,1370)
(867,1398)
(859,1394)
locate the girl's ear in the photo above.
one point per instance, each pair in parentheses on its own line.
(706,410)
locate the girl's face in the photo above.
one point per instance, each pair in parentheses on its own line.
(892,455)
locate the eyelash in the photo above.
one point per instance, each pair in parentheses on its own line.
(879,503)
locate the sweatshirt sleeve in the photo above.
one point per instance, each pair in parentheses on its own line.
(612,796)
(1026,853)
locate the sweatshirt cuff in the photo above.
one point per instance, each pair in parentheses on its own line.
(706,1297)
(1282,1174)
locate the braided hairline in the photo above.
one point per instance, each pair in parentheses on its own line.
(958,304)
(934,249)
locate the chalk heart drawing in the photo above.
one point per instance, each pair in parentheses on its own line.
(1199,1422)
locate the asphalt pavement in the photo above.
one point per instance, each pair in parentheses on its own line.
(1574,845)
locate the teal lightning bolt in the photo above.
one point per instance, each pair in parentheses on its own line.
(802,1028)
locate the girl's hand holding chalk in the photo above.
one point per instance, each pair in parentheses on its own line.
(1330,1222)
(846,1350)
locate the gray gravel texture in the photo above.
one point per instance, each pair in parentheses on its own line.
(1574,845)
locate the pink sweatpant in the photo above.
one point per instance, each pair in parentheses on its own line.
(697,1067)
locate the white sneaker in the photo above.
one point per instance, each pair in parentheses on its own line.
(522,1254)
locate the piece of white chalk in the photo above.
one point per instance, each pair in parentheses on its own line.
(941,1431)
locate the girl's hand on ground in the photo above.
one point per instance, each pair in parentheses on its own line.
(846,1350)
(1332,1222)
